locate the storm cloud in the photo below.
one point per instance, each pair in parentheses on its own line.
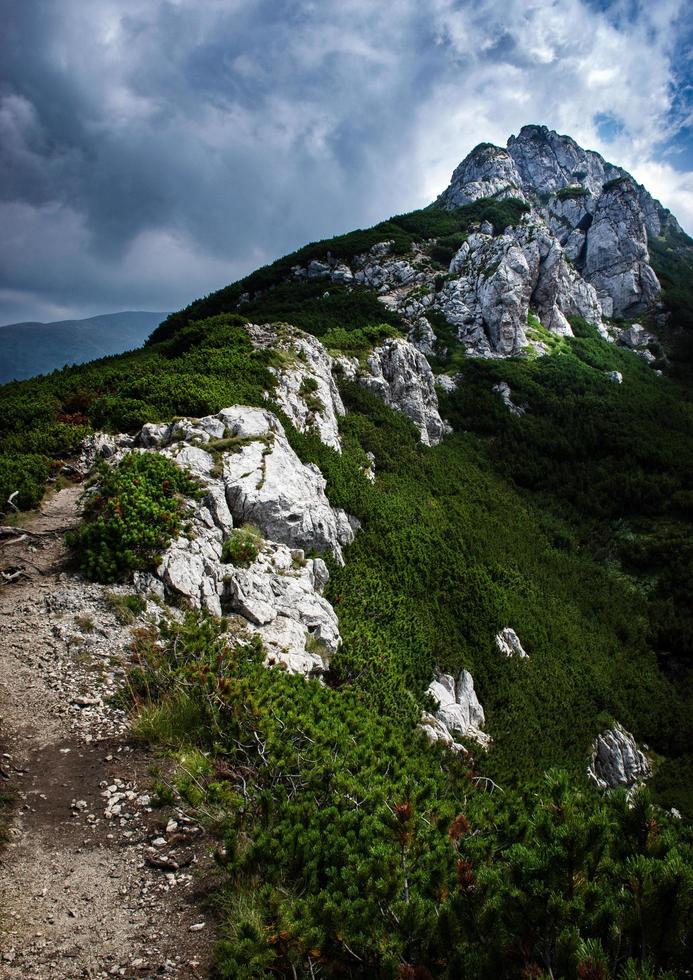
(154,150)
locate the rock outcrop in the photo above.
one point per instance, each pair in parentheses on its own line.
(595,215)
(262,480)
(617,760)
(459,712)
(498,279)
(487,171)
(580,250)
(279,595)
(616,258)
(400,375)
(250,475)
(508,643)
(306,390)
(268,486)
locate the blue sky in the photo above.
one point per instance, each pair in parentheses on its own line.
(153,150)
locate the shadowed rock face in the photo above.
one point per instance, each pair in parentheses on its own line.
(617,760)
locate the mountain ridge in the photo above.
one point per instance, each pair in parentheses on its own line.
(34,347)
(579,251)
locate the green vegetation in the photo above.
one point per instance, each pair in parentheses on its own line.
(24,475)
(131,518)
(672,259)
(205,367)
(126,607)
(352,848)
(242,546)
(573,192)
(614,182)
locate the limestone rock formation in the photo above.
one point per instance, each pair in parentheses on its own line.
(595,219)
(263,480)
(581,250)
(617,760)
(616,257)
(254,478)
(280,596)
(306,390)
(268,486)
(458,713)
(499,279)
(400,375)
(508,643)
(488,171)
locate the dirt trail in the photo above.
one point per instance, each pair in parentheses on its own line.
(94,880)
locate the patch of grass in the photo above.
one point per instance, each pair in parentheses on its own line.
(574,191)
(85,623)
(242,546)
(126,608)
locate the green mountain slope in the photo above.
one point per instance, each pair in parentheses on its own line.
(351,847)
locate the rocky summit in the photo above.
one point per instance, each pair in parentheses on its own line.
(350,619)
(589,222)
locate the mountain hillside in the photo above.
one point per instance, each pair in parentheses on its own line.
(38,348)
(406,522)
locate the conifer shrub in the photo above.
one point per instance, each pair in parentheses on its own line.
(351,847)
(24,474)
(134,513)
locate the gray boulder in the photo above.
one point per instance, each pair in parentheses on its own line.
(617,760)
(458,709)
(508,643)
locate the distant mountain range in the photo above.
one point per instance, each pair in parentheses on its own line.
(30,348)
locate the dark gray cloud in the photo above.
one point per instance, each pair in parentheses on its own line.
(153,150)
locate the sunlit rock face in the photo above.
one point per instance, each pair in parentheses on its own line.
(589,222)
